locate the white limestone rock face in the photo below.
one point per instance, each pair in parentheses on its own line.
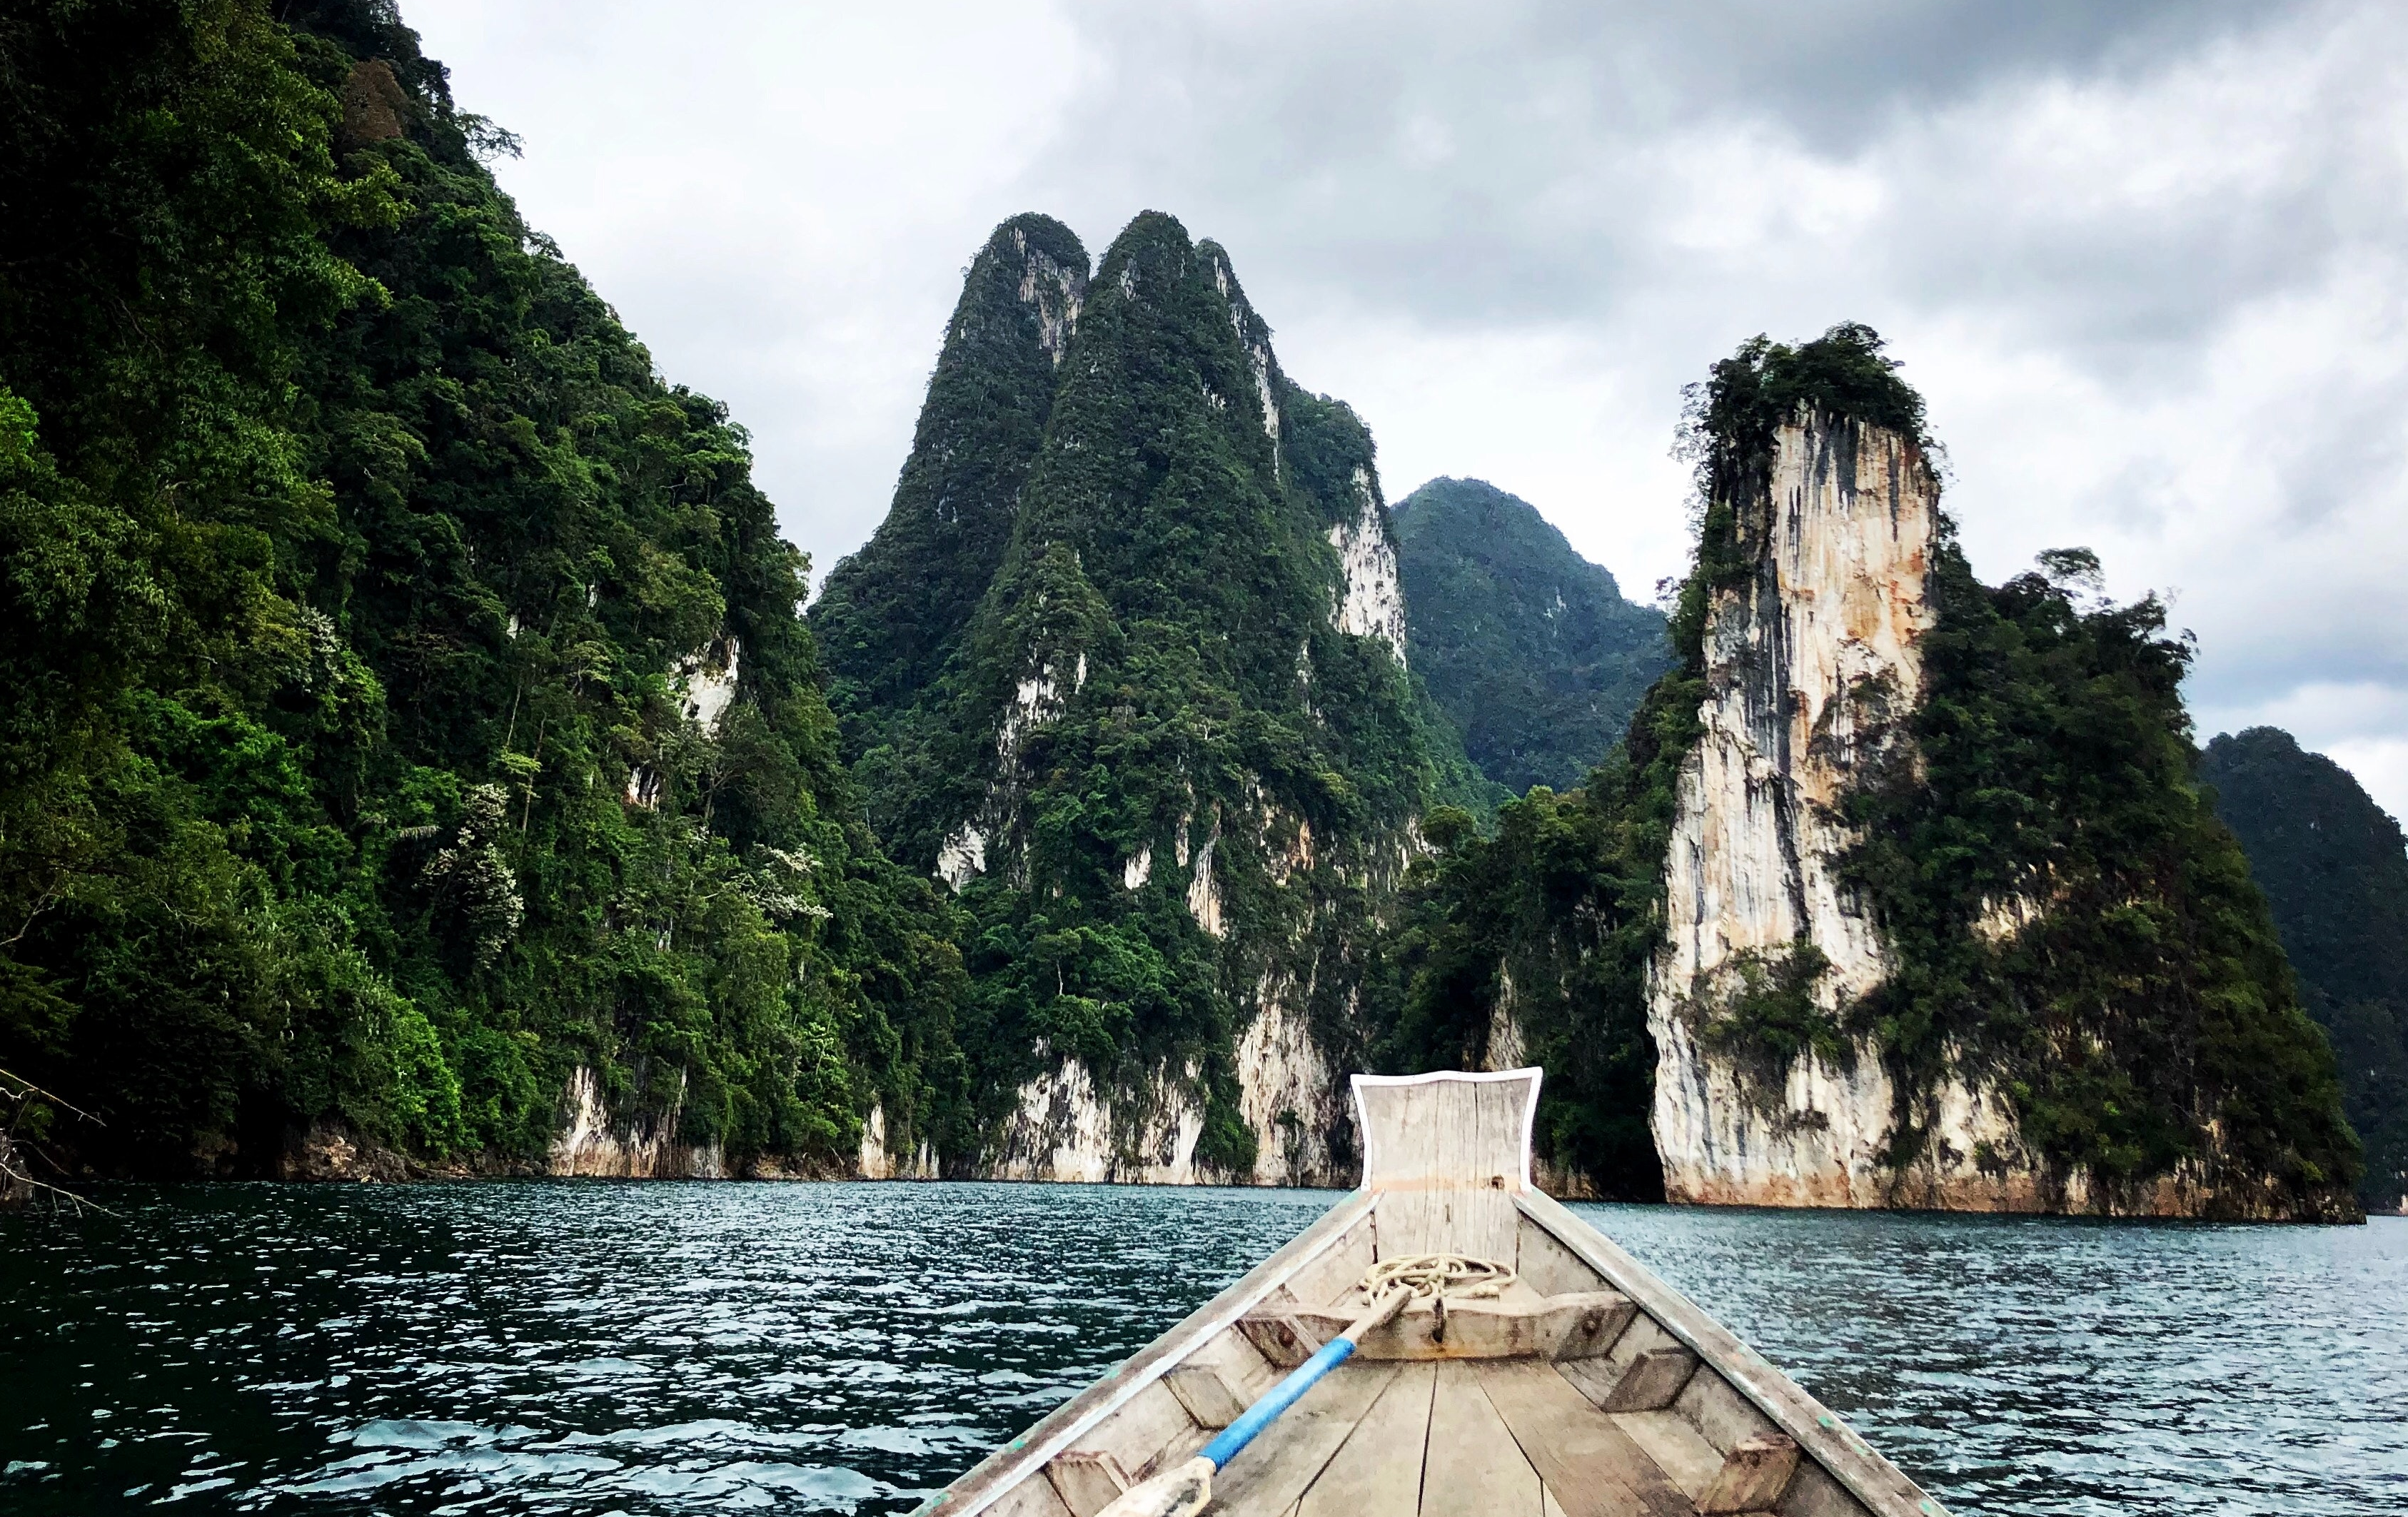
(1204,887)
(876,1162)
(963,855)
(1289,1094)
(1062,1129)
(1370,603)
(1811,667)
(593,1143)
(1038,699)
(707,680)
(1053,292)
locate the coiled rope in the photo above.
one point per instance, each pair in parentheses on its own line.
(1439,1275)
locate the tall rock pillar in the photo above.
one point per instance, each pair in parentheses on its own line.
(1811,667)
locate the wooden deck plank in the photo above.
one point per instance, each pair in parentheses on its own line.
(1676,1446)
(1592,1465)
(1378,1469)
(1474,1468)
(1273,1472)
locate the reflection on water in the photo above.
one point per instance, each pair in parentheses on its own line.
(656,1347)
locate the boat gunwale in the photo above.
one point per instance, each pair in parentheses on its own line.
(1002,1471)
(1863,1470)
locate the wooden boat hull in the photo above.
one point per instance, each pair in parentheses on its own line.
(1591,1389)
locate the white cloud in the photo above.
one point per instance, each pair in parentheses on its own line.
(2148,262)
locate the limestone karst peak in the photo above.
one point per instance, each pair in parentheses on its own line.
(1174,727)
(1897,893)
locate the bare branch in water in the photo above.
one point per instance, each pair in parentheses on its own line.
(47,1095)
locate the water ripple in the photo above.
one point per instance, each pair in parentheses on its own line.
(541,1348)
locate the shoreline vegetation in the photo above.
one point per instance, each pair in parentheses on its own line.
(420,762)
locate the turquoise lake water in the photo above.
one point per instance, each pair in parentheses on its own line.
(595,1348)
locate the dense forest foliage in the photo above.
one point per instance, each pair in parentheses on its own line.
(369,612)
(2143,1018)
(2334,867)
(1528,648)
(2146,1016)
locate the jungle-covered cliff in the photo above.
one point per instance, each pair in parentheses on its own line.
(2334,868)
(1900,890)
(1157,730)
(1528,648)
(412,745)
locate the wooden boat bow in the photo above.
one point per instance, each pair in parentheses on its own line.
(1585,1388)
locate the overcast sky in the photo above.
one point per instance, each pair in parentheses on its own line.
(2148,262)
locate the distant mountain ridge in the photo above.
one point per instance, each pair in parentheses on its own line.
(1529,649)
(2334,867)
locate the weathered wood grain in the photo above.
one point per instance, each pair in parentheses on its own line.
(1270,1474)
(1873,1481)
(1473,1467)
(1206,1396)
(1812,1493)
(1034,1498)
(1563,1327)
(1718,1410)
(1241,1365)
(1547,1265)
(1754,1474)
(1378,1469)
(1679,1450)
(1591,1464)
(1334,1275)
(1130,1443)
(1651,1382)
(1088,1481)
(1014,1464)
(1447,1156)
(1279,1337)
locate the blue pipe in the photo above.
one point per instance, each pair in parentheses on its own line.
(1276,1400)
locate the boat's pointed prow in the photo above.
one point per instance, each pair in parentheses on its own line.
(1536,1366)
